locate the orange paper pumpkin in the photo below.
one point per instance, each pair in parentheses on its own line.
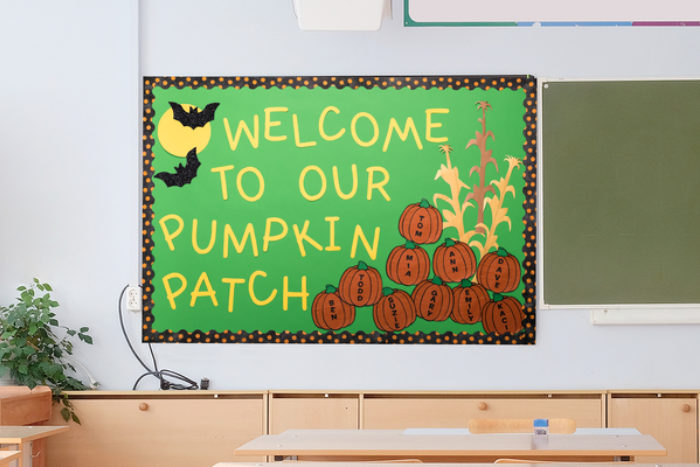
(499,271)
(454,261)
(330,312)
(433,300)
(421,223)
(503,315)
(394,311)
(360,285)
(408,264)
(469,302)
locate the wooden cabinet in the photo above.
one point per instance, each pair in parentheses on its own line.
(455,410)
(313,410)
(670,418)
(201,428)
(158,429)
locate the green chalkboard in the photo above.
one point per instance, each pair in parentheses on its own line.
(339,209)
(620,192)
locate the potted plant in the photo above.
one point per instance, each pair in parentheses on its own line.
(34,347)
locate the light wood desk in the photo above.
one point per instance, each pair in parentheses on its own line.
(23,436)
(360,445)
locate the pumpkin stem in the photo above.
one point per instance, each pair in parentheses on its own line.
(465,283)
(387,291)
(424,203)
(436,280)
(331,289)
(410,245)
(502,252)
(497,297)
(449,242)
(362,266)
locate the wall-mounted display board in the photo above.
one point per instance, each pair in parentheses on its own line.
(339,209)
(550,13)
(620,193)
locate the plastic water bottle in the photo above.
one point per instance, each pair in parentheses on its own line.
(541,432)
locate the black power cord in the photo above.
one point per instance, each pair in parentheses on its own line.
(181,382)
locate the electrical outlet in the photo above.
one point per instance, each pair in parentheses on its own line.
(133,298)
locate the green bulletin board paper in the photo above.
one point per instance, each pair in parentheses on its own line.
(291,182)
(621,199)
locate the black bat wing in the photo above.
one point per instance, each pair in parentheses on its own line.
(181,115)
(182,175)
(207,115)
(194,118)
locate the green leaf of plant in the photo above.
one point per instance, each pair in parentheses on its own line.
(84,329)
(65,413)
(87,339)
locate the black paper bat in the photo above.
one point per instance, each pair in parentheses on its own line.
(193,118)
(182,175)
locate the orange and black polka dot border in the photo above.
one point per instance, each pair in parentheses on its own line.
(526,83)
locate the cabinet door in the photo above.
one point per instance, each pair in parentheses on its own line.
(157,432)
(671,420)
(406,412)
(333,411)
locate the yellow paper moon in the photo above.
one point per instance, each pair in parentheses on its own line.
(179,139)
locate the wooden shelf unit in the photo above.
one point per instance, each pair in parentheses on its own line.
(670,417)
(162,429)
(201,428)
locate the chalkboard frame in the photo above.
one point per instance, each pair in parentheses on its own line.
(601,313)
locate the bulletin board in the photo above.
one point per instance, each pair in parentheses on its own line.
(620,194)
(339,209)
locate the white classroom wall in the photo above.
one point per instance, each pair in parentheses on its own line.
(70,181)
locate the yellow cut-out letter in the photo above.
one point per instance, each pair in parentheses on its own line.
(302,235)
(297,138)
(331,233)
(379,186)
(231,289)
(303,294)
(336,182)
(269,123)
(167,234)
(261,184)
(212,237)
(268,237)
(302,187)
(222,176)
(209,292)
(322,119)
(429,125)
(248,234)
(359,234)
(251,290)
(375,128)
(403,134)
(253,137)
(169,291)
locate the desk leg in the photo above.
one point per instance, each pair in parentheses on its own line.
(26,459)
